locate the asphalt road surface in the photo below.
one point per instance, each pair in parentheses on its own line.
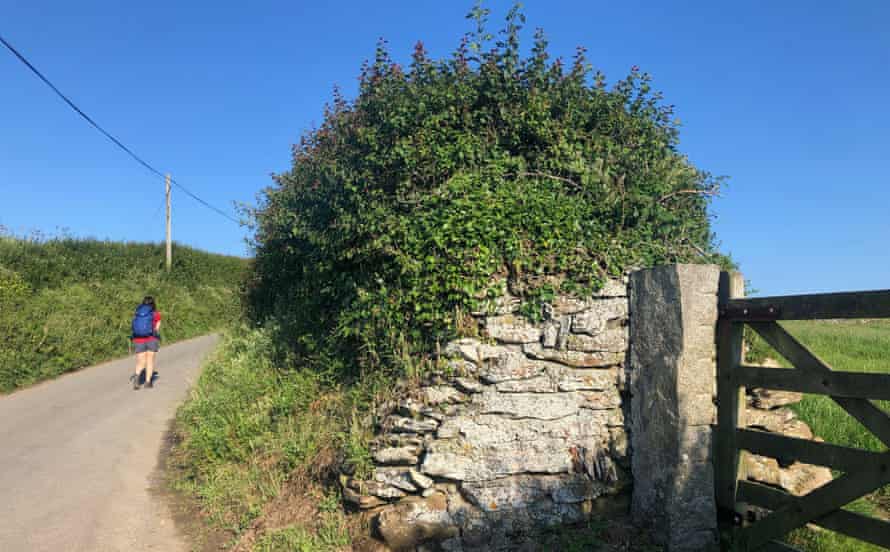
(79,458)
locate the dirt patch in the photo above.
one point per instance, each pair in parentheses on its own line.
(190,521)
(298,505)
(304,503)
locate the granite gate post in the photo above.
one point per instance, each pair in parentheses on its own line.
(672,368)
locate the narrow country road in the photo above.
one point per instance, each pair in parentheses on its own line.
(78,458)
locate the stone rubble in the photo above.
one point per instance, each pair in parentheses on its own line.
(768,411)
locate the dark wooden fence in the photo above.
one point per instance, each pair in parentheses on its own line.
(863,471)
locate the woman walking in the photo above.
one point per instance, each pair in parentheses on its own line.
(146,339)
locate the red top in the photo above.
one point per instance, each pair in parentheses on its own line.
(154,326)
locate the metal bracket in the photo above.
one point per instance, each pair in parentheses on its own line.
(768,313)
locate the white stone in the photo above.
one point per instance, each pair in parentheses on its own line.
(396,456)
(550,334)
(601,315)
(411,522)
(529,405)
(609,340)
(509,328)
(442,394)
(468,385)
(466,348)
(420,480)
(394,477)
(538,384)
(399,424)
(510,365)
(573,358)
(570,305)
(524,491)
(491,446)
(576,379)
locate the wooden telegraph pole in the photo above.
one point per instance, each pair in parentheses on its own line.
(169,243)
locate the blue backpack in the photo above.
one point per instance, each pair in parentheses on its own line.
(143,321)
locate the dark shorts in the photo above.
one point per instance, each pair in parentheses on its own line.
(152,346)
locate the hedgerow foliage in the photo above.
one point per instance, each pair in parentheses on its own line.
(66,303)
(407,203)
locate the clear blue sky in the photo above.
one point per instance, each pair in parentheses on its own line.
(790,100)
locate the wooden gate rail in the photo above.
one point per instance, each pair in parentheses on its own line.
(823,306)
(855,525)
(863,471)
(855,385)
(791,449)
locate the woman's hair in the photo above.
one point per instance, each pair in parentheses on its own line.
(149,300)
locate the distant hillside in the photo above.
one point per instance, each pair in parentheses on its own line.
(67,303)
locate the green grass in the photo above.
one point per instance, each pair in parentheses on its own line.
(67,303)
(298,539)
(250,428)
(328,534)
(855,346)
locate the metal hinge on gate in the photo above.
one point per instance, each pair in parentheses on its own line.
(768,313)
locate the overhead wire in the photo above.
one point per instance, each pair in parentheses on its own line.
(108,135)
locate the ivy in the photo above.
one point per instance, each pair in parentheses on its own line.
(407,205)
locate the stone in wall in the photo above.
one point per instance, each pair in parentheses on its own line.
(608,341)
(611,314)
(612,289)
(509,328)
(524,491)
(416,520)
(524,431)
(509,365)
(580,359)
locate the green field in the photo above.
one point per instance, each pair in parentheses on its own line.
(849,345)
(67,303)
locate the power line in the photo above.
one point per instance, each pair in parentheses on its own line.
(201,201)
(114,140)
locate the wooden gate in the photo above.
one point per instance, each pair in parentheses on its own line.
(863,471)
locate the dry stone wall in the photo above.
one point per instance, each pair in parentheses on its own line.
(531,426)
(523,430)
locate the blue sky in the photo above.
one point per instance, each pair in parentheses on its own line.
(787,99)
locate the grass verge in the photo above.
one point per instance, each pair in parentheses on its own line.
(260,447)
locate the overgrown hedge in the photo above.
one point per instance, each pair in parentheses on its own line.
(67,303)
(409,201)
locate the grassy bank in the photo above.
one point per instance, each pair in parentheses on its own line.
(67,303)
(855,346)
(257,443)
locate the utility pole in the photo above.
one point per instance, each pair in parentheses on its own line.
(169,243)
